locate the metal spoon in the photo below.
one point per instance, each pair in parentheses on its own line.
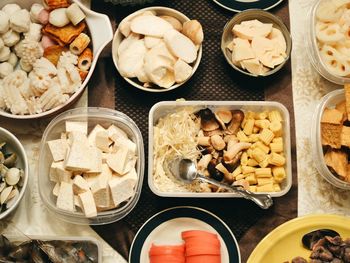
(186,171)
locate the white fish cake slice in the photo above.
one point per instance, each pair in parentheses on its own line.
(150,25)
(131,60)
(180,46)
(334,61)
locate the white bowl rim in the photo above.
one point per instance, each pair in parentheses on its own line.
(25,168)
(133,83)
(109,34)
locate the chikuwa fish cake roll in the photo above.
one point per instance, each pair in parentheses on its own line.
(85,59)
(79,44)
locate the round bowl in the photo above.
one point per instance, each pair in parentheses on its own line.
(264,17)
(99,39)
(93,116)
(118,37)
(328,101)
(313,50)
(15,146)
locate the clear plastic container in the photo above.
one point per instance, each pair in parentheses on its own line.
(330,100)
(163,108)
(313,49)
(93,116)
(18,239)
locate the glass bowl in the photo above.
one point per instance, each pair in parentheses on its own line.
(93,116)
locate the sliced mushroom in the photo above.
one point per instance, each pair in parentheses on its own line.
(10,161)
(223,117)
(5,194)
(233,164)
(233,150)
(203,141)
(208,121)
(230,137)
(214,132)
(204,161)
(12,176)
(215,173)
(12,198)
(237,118)
(217,142)
(2,186)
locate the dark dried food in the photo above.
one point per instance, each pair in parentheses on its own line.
(299,260)
(321,253)
(311,238)
(208,120)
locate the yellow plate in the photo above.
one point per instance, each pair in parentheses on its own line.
(284,242)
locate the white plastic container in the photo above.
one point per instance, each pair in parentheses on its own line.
(21,238)
(328,101)
(94,116)
(313,49)
(163,108)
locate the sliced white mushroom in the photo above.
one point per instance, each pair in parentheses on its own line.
(124,28)
(13,197)
(150,41)
(127,42)
(173,21)
(150,25)
(131,60)
(180,46)
(5,194)
(182,71)
(12,176)
(2,186)
(252,28)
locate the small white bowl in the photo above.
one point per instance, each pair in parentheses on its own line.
(163,108)
(99,38)
(15,146)
(118,37)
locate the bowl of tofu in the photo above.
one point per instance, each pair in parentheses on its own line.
(256,43)
(91,166)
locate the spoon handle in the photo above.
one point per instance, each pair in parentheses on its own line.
(262,200)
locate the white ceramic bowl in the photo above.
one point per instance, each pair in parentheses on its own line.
(264,17)
(118,37)
(328,101)
(161,109)
(99,38)
(14,146)
(93,116)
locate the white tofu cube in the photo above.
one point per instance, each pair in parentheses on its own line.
(115,132)
(88,203)
(77,136)
(59,174)
(80,185)
(116,161)
(125,143)
(58,149)
(78,157)
(65,199)
(100,189)
(102,141)
(130,163)
(91,178)
(56,189)
(80,126)
(92,134)
(95,160)
(122,188)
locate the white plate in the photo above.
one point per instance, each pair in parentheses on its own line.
(165,228)
(240,5)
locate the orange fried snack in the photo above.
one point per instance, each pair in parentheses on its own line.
(338,160)
(347,99)
(53,4)
(345,136)
(64,35)
(83,74)
(85,59)
(53,53)
(331,135)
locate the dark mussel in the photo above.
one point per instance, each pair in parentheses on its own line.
(311,238)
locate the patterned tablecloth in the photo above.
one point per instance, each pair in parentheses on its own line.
(315,194)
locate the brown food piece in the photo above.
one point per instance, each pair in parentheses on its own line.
(337,160)
(347,99)
(53,4)
(341,106)
(83,74)
(345,136)
(235,124)
(64,35)
(53,53)
(332,116)
(85,59)
(299,260)
(331,134)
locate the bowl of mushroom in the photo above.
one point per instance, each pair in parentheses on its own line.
(13,172)
(48,51)
(157,49)
(243,143)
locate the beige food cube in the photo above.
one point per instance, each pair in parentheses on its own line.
(59,174)
(58,149)
(92,135)
(88,203)
(78,157)
(80,126)
(65,199)
(95,160)
(80,185)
